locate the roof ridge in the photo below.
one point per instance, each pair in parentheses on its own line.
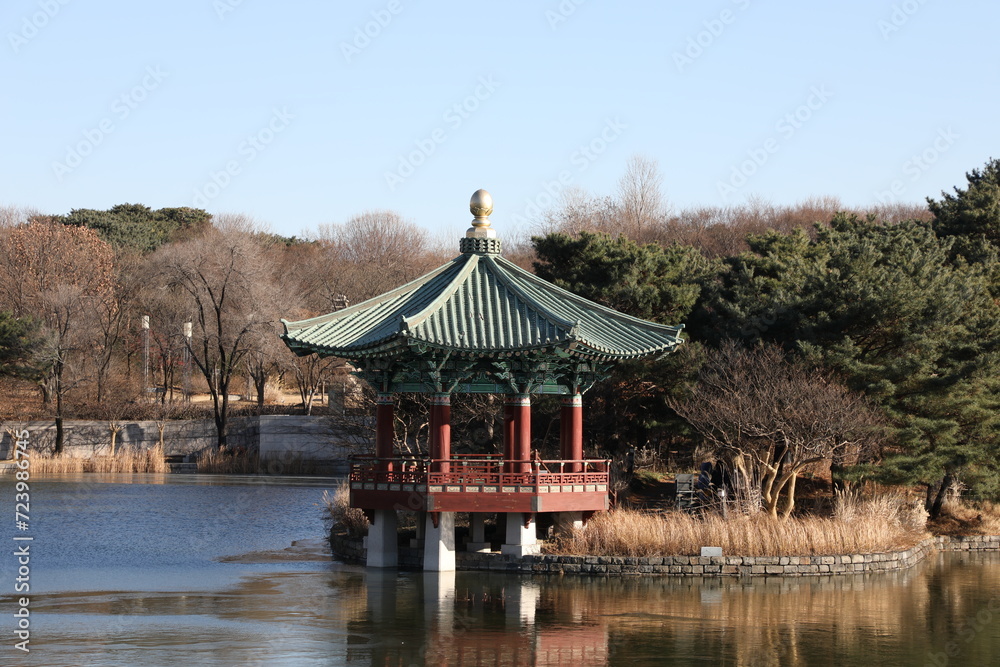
(409,323)
(542,310)
(546,285)
(367,303)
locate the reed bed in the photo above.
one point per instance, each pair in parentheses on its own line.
(340,512)
(247,462)
(216,462)
(872,527)
(127,460)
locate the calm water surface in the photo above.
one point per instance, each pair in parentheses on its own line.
(198,570)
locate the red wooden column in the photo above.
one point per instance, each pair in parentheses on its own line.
(509,436)
(441,431)
(517,432)
(384,430)
(571,431)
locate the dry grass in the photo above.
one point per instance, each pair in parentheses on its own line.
(247,462)
(989,513)
(969,518)
(891,506)
(874,527)
(129,460)
(216,462)
(340,512)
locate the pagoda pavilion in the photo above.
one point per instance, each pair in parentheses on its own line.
(478,324)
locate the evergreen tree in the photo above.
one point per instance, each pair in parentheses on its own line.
(888,309)
(139,228)
(19,339)
(648,281)
(972,213)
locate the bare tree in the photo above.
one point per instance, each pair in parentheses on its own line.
(640,197)
(372,253)
(63,276)
(228,288)
(311,373)
(13,216)
(265,360)
(112,320)
(772,417)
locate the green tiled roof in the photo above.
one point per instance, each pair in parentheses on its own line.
(480,304)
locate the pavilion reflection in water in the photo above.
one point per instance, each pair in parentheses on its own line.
(488,621)
(903,617)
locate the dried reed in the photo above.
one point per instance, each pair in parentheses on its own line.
(340,512)
(127,460)
(877,528)
(216,462)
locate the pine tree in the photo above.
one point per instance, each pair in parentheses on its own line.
(891,311)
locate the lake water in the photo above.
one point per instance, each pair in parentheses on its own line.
(197,570)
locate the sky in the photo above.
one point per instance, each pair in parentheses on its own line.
(302,113)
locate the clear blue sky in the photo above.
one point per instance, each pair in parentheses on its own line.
(112,101)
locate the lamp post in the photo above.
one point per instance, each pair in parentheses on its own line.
(145,353)
(187,362)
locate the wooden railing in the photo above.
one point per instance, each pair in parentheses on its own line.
(478,471)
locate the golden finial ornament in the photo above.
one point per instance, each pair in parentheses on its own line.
(481,206)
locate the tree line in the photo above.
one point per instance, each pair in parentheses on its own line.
(817,334)
(866,340)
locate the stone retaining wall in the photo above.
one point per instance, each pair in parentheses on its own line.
(277,437)
(352,551)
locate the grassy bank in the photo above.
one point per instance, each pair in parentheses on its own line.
(879,524)
(150,460)
(972,518)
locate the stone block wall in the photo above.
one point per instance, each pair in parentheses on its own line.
(351,551)
(275,437)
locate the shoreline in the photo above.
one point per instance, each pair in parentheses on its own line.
(351,550)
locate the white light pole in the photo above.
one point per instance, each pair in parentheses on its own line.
(187,362)
(145,353)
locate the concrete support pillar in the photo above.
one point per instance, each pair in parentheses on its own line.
(441,431)
(477,538)
(521,540)
(384,430)
(518,432)
(382,540)
(568,523)
(439,542)
(571,431)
